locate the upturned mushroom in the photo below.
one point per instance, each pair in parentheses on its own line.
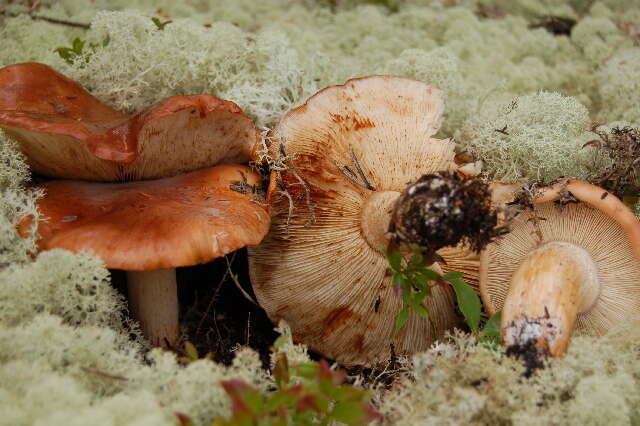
(149,228)
(65,132)
(340,163)
(572,261)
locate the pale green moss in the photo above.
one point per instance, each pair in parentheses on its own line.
(536,138)
(73,287)
(16,204)
(263,62)
(25,40)
(94,370)
(268,56)
(599,38)
(619,87)
(440,68)
(535,9)
(142,64)
(462,382)
(296,354)
(14,171)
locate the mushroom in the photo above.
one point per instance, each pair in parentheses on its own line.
(340,163)
(149,228)
(570,262)
(65,132)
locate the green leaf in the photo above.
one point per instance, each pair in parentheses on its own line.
(160,24)
(399,281)
(424,277)
(308,370)
(66,54)
(106,41)
(395,260)
(453,275)
(191,351)
(420,296)
(403,317)
(349,412)
(421,310)
(77,45)
(407,297)
(281,370)
(280,342)
(492,327)
(468,302)
(429,274)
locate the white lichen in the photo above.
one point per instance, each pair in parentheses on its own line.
(465,382)
(536,138)
(66,356)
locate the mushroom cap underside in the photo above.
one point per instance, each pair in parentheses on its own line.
(316,269)
(66,132)
(605,239)
(160,224)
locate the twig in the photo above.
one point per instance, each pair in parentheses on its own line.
(361,179)
(103,374)
(215,293)
(359,170)
(50,20)
(61,22)
(248,329)
(237,283)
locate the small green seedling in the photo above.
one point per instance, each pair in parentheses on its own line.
(414,281)
(490,333)
(73,53)
(191,354)
(306,394)
(160,24)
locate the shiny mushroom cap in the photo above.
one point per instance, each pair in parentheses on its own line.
(340,162)
(161,224)
(65,132)
(573,258)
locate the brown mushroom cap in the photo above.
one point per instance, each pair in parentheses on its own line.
(322,269)
(167,223)
(599,224)
(65,132)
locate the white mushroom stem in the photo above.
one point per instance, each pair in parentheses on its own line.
(549,289)
(153,299)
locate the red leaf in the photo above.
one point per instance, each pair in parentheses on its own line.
(307,403)
(183,419)
(237,390)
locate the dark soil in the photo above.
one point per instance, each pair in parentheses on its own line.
(214,314)
(217,318)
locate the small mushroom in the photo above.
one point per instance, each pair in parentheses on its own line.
(340,163)
(149,228)
(570,262)
(65,132)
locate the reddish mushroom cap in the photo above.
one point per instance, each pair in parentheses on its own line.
(166,223)
(65,132)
